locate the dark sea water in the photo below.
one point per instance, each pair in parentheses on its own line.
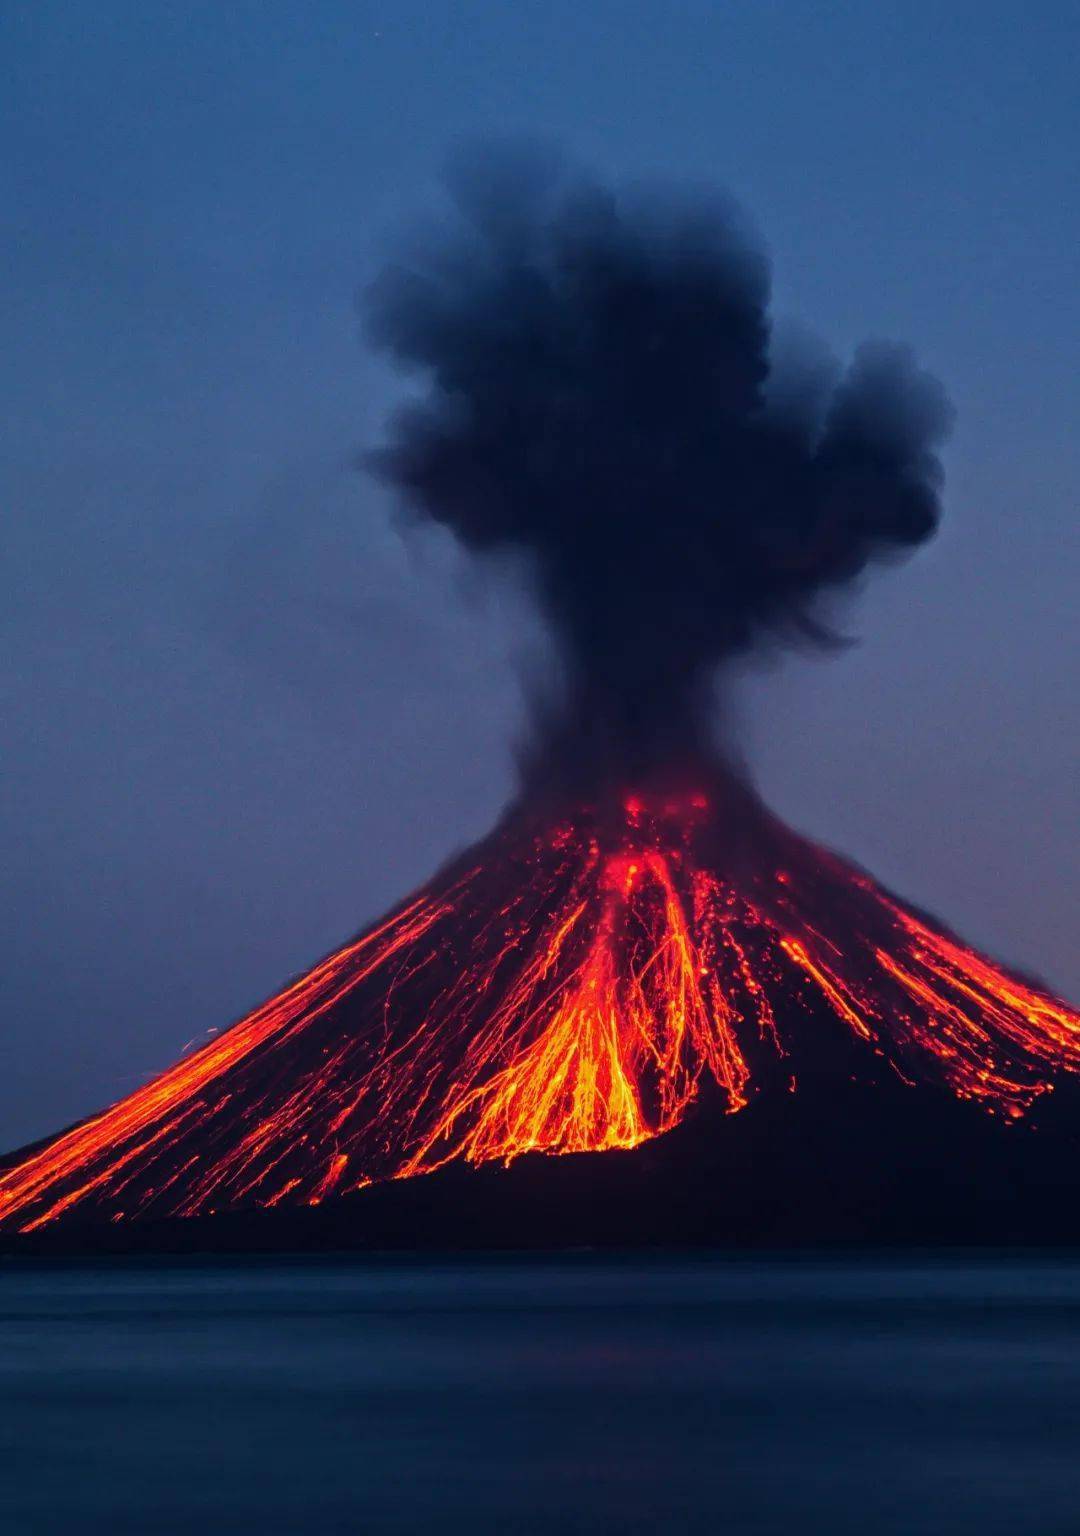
(583,1395)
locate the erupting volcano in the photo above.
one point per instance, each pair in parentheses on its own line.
(639,941)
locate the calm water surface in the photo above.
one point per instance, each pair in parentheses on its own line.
(707,1395)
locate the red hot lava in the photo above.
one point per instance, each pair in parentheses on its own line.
(568,986)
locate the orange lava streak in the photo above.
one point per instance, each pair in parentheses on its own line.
(568,990)
(629,1017)
(176,1089)
(833,989)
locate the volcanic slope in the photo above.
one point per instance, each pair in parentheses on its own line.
(581,983)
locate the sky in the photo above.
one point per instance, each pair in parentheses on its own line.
(244,709)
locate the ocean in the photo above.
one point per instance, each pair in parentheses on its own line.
(580,1394)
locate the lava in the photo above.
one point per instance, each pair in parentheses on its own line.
(566,987)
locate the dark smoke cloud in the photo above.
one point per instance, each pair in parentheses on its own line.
(599,394)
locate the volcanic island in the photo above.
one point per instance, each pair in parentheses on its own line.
(641,1012)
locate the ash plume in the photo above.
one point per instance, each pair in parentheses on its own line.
(618,961)
(599,395)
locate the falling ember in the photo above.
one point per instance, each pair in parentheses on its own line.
(565,988)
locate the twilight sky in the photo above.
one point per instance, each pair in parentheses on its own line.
(243,711)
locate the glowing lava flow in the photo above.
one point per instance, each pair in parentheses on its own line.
(559,990)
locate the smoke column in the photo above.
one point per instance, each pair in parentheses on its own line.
(599,395)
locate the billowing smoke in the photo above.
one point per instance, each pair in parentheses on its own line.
(599,395)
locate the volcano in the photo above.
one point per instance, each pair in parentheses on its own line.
(576,984)
(642,1009)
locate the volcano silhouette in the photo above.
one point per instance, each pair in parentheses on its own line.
(642,1009)
(583,984)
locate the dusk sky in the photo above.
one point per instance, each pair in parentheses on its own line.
(245,708)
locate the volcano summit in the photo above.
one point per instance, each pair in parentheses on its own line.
(640,956)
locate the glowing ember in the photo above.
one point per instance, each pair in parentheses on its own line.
(563,990)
